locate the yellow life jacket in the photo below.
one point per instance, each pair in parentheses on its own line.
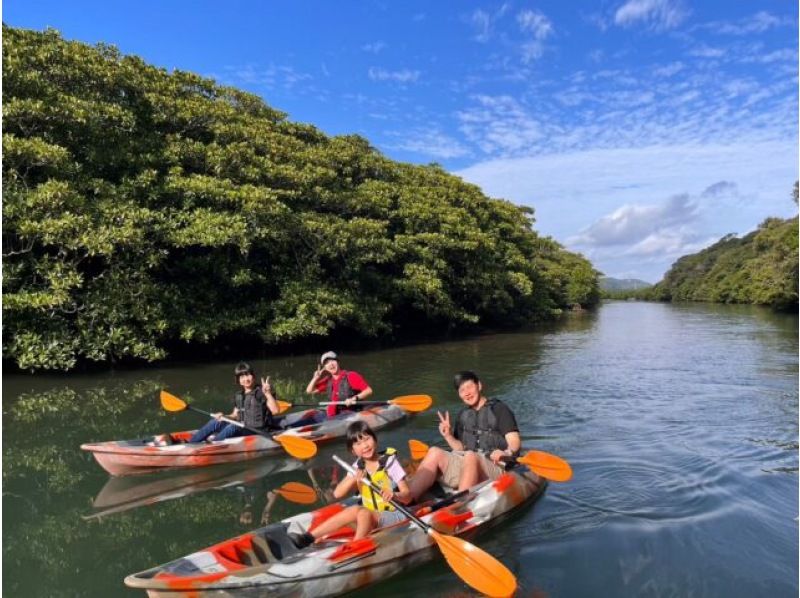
(369,497)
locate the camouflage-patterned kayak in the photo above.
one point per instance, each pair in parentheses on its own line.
(265,562)
(124,457)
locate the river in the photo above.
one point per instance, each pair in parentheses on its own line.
(680,423)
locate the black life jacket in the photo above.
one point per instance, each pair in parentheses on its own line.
(345,392)
(478,429)
(253,409)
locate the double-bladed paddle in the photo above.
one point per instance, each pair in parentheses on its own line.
(410,403)
(300,448)
(476,567)
(544,464)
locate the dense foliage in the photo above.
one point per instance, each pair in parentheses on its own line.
(144,209)
(759,268)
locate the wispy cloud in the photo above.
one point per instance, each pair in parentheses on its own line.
(500,124)
(433,143)
(539,27)
(271,76)
(483,22)
(374,47)
(758,23)
(401,76)
(658,15)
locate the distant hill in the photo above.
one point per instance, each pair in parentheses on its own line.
(622,284)
(759,268)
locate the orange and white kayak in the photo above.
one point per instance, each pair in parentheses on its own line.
(125,457)
(266,562)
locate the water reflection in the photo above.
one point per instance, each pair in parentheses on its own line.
(680,422)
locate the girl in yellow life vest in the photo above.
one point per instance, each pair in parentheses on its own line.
(385,471)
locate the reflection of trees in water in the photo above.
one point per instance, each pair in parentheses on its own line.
(43,431)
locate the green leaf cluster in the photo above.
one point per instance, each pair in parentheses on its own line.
(144,209)
(759,268)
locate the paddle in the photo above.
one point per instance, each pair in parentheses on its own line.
(410,403)
(296,492)
(300,448)
(477,568)
(544,464)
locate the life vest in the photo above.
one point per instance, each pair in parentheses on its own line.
(370,498)
(253,409)
(345,392)
(478,429)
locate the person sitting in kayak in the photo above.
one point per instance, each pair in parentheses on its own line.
(384,470)
(484,435)
(253,405)
(341,386)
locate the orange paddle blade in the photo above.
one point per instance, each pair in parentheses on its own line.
(475,567)
(296,492)
(283,406)
(417,449)
(299,448)
(412,403)
(546,465)
(172,403)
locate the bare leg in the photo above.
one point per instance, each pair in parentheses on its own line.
(349,515)
(471,471)
(432,465)
(366,521)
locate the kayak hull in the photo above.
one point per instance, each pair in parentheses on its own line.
(126,457)
(265,562)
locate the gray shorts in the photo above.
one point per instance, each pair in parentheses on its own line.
(455,463)
(387,518)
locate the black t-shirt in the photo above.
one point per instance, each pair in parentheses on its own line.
(506,422)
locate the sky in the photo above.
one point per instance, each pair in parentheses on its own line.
(638,130)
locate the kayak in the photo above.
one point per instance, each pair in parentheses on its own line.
(124,457)
(265,562)
(121,494)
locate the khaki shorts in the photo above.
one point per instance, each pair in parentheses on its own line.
(455,463)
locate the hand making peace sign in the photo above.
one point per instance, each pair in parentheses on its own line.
(444,423)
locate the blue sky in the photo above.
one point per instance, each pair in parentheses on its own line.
(638,130)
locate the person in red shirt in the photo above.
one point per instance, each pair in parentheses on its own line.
(340,385)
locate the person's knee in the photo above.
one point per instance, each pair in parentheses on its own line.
(435,458)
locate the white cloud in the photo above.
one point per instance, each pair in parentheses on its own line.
(539,27)
(668,70)
(658,14)
(401,76)
(758,23)
(430,143)
(634,222)
(483,24)
(574,190)
(500,124)
(271,76)
(374,47)
(669,243)
(704,51)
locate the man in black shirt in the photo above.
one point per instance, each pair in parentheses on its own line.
(483,434)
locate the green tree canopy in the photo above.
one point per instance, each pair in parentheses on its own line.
(144,208)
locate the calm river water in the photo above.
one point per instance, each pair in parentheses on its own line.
(680,422)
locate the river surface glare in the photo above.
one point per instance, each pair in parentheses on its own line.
(680,423)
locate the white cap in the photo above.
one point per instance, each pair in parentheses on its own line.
(327,356)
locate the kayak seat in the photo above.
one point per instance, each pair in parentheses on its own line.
(272,543)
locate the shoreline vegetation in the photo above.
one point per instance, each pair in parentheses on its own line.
(149,213)
(760,268)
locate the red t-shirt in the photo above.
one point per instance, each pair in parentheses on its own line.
(354,379)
